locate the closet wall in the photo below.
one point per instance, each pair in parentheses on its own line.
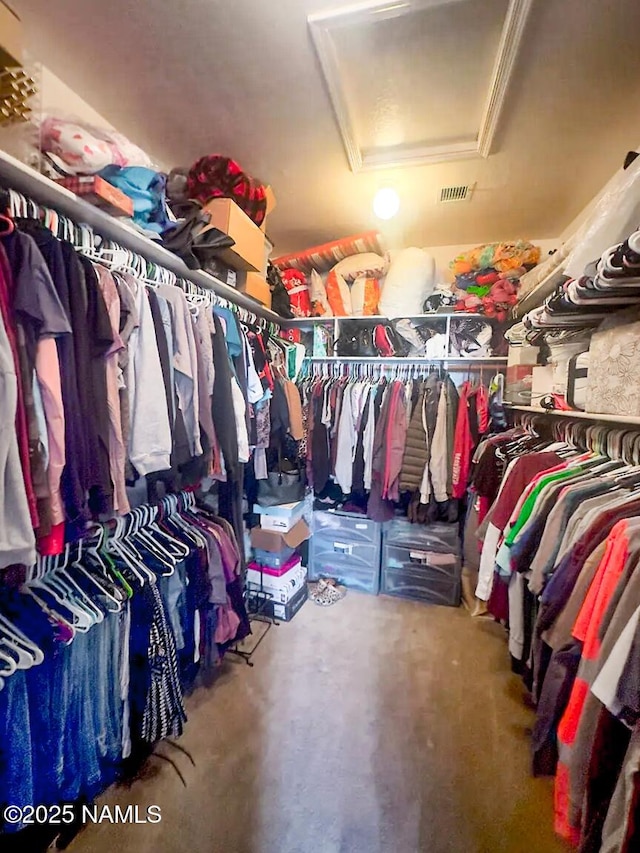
(57,96)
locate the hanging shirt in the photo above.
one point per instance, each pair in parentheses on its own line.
(117,452)
(150,431)
(439,460)
(241,424)
(463,445)
(185,362)
(17,540)
(346,443)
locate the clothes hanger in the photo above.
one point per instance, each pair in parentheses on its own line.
(80,619)
(23,655)
(99,556)
(65,591)
(10,665)
(127,552)
(12,633)
(83,572)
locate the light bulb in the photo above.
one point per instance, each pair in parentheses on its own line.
(386,203)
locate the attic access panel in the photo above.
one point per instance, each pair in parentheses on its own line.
(418,81)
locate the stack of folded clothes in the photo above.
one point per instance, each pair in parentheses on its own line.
(488,277)
(610,283)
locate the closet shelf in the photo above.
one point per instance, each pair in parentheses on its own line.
(379,318)
(18,176)
(585,416)
(394,359)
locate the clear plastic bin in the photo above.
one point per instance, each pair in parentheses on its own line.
(356,528)
(431,537)
(347,548)
(419,559)
(428,585)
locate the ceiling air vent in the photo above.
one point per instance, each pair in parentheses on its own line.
(461,193)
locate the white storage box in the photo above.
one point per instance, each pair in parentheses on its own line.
(291,510)
(279,524)
(282,588)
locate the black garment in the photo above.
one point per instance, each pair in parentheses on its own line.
(78,319)
(224,422)
(319,445)
(607,759)
(100,341)
(222,402)
(71,485)
(236,597)
(279,413)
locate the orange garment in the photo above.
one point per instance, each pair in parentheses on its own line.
(586,629)
(294,405)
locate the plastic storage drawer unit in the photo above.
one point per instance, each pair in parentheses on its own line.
(422,562)
(347,548)
(431,537)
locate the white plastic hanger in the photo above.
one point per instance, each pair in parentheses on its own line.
(12,666)
(13,636)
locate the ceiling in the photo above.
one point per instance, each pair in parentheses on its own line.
(242,77)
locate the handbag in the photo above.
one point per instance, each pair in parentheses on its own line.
(389,342)
(355,339)
(578,372)
(281,488)
(383,341)
(280,301)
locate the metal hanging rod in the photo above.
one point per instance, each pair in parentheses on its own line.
(379,318)
(16,175)
(404,359)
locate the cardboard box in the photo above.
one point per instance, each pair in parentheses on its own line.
(11,42)
(271,206)
(272,540)
(256,286)
(286,612)
(248,251)
(101,193)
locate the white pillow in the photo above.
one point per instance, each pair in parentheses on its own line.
(411,278)
(364,265)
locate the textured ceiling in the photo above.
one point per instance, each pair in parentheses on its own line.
(188,77)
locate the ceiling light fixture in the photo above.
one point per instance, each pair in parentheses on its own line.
(386,203)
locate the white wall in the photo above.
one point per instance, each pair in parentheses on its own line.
(57,97)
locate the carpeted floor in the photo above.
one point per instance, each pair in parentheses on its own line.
(374,726)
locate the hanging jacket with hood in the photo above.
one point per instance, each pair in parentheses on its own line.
(419,434)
